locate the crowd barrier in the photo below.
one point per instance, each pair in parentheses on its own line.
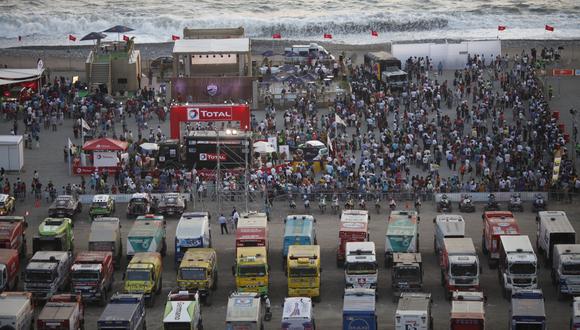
(526,196)
(123,198)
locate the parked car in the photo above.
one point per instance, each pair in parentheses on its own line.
(140,204)
(172,203)
(65,206)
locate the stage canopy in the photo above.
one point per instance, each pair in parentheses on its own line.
(15,76)
(107,144)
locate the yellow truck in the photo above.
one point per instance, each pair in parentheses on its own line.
(144,275)
(198,271)
(303,271)
(251,270)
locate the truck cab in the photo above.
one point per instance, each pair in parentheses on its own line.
(467,311)
(244,311)
(182,311)
(63,311)
(105,236)
(402,234)
(102,206)
(144,275)
(447,226)
(147,235)
(13,233)
(298,314)
(16,310)
(303,271)
(353,228)
(406,274)
(517,265)
(124,312)
(459,265)
(251,270)
(46,273)
(92,275)
(198,271)
(9,269)
(298,230)
(361,269)
(496,224)
(414,312)
(566,268)
(553,228)
(193,231)
(359,309)
(54,234)
(527,310)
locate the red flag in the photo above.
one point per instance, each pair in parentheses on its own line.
(125,38)
(327,36)
(277,36)
(374,33)
(549,28)
(174,37)
(72,38)
(501,27)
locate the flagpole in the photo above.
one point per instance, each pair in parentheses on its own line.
(69,155)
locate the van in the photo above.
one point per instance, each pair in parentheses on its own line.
(193,231)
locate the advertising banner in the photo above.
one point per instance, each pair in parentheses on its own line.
(105,159)
(212,89)
(209,113)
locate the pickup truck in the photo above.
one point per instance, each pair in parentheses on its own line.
(124,312)
(63,312)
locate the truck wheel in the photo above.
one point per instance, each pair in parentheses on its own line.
(483,248)
(215,283)
(160,287)
(23,249)
(442,279)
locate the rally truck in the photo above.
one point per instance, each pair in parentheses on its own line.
(459,266)
(496,224)
(359,309)
(406,274)
(144,276)
(303,271)
(47,273)
(54,234)
(147,235)
(527,310)
(447,226)
(553,228)
(182,311)
(298,230)
(414,312)
(298,313)
(402,234)
(251,270)
(193,231)
(13,233)
(171,204)
(198,271)
(566,269)
(244,311)
(124,312)
(92,275)
(102,206)
(106,236)
(9,269)
(63,312)
(467,311)
(65,206)
(16,311)
(252,230)
(361,269)
(354,227)
(518,265)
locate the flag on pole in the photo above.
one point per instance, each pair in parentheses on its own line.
(374,33)
(277,36)
(174,37)
(72,38)
(329,142)
(125,38)
(327,36)
(549,28)
(85,126)
(339,120)
(19,38)
(69,156)
(501,27)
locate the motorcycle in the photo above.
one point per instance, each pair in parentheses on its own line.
(378,205)
(392,204)
(418,205)
(335,207)
(466,204)
(349,205)
(492,204)
(306,202)
(539,204)
(444,204)
(362,204)
(516,203)
(322,204)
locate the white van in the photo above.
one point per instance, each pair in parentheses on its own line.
(193,231)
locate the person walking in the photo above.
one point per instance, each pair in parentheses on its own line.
(223,224)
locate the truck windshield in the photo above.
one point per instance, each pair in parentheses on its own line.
(529,326)
(138,275)
(404,273)
(361,268)
(39,276)
(99,204)
(195,274)
(177,326)
(464,269)
(302,272)
(571,269)
(523,269)
(85,275)
(250,271)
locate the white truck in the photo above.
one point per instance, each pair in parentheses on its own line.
(459,265)
(414,312)
(517,264)
(447,226)
(553,228)
(361,268)
(566,269)
(16,310)
(244,311)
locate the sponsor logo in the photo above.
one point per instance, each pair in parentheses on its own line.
(196,114)
(211,157)
(193,114)
(212,89)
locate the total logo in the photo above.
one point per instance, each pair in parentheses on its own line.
(196,114)
(205,157)
(193,114)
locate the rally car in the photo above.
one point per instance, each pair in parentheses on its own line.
(102,206)
(140,204)
(6,204)
(171,203)
(65,206)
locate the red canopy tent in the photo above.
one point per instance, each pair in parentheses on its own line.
(105,144)
(103,150)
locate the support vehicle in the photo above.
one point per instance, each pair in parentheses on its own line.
(9,269)
(193,231)
(63,312)
(47,273)
(298,314)
(102,206)
(252,230)
(527,310)
(353,228)
(414,312)
(13,233)
(402,234)
(140,204)
(517,264)
(361,269)
(7,204)
(359,309)
(198,271)
(147,235)
(16,311)
(553,228)
(144,275)
(54,234)
(124,312)
(251,270)
(182,311)
(467,311)
(65,206)
(566,269)
(406,274)
(447,226)
(496,224)
(575,318)
(171,204)
(459,266)
(303,271)
(244,311)
(298,230)
(106,236)
(92,275)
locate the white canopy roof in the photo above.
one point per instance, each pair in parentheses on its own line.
(211,46)
(14,76)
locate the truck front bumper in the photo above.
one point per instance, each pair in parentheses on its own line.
(262,290)
(303,292)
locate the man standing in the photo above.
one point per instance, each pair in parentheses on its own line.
(223,224)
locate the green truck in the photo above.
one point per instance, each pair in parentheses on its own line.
(54,234)
(147,235)
(402,234)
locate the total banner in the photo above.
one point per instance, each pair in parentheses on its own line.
(105,159)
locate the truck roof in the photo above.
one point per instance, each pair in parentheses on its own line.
(354,216)
(407,258)
(567,248)
(416,302)
(7,254)
(104,229)
(180,311)
(359,299)
(253,221)
(13,303)
(146,257)
(465,309)
(502,222)
(516,243)
(297,308)
(145,228)
(360,246)
(41,256)
(57,311)
(456,246)
(402,223)
(299,225)
(195,215)
(194,257)
(450,224)
(352,226)
(92,257)
(121,309)
(191,227)
(243,307)
(555,222)
(528,303)
(304,251)
(253,251)
(250,234)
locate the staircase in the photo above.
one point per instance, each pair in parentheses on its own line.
(101,73)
